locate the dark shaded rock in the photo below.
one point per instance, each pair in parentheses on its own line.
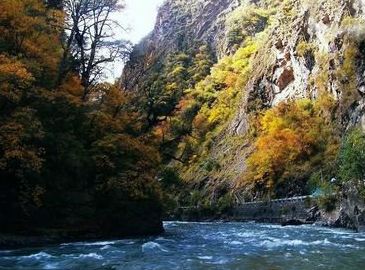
(326,19)
(279,44)
(293,222)
(314,214)
(8,241)
(50,237)
(345,221)
(285,78)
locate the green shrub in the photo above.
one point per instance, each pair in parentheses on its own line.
(225,203)
(304,48)
(245,22)
(211,165)
(169,177)
(328,202)
(352,157)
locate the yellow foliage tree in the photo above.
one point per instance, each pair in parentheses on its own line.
(31,32)
(294,139)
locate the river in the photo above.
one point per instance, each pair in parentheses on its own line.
(205,246)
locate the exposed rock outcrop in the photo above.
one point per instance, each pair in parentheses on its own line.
(350,210)
(181,25)
(310,47)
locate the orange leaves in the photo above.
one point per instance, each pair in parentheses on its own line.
(184,103)
(201,125)
(16,137)
(19,20)
(291,135)
(126,163)
(272,152)
(11,68)
(112,112)
(28,29)
(13,78)
(72,86)
(111,95)
(56,147)
(160,130)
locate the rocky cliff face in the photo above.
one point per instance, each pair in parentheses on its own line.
(181,24)
(306,47)
(185,22)
(349,211)
(313,46)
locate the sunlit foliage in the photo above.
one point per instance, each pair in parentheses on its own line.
(294,140)
(245,22)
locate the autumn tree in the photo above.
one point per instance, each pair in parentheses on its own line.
(69,166)
(28,64)
(90,43)
(202,63)
(28,59)
(30,30)
(294,141)
(162,89)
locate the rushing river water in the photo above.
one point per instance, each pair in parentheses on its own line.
(205,246)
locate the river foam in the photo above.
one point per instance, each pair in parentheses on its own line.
(152,246)
(37,256)
(205,246)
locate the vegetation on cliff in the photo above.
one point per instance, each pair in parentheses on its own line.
(230,102)
(294,141)
(266,118)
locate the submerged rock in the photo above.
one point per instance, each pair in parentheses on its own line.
(293,222)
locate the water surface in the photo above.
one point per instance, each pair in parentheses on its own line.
(205,246)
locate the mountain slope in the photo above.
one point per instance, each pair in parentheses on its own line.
(217,133)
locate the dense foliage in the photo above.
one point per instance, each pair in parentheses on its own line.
(352,156)
(294,141)
(200,116)
(72,157)
(78,155)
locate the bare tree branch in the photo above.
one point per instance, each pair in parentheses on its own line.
(90,40)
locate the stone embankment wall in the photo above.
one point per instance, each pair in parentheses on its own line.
(277,211)
(349,212)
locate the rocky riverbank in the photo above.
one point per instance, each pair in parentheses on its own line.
(348,211)
(14,241)
(343,210)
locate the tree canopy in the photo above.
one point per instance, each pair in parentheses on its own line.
(72,160)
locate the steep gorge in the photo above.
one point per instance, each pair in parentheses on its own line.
(252,57)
